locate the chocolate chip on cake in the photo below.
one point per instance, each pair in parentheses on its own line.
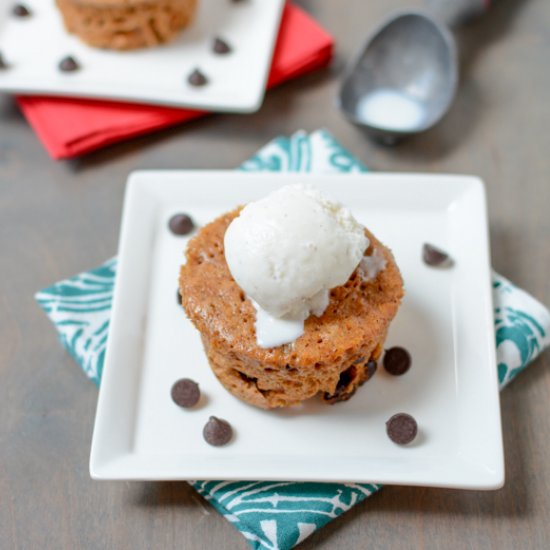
(20,10)
(401,428)
(178,297)
(181,224)
(369,369)
(196,78)
(372,367)
(397,361)
(217,431)
(3,64)
(185,393)
(69,65)
(434,256)
(221,47)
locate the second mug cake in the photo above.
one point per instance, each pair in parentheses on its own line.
(126,24)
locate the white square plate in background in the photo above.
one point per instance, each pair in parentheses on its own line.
(446,322)
(33,47)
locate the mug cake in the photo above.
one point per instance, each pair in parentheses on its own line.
(292,297)
(126,24)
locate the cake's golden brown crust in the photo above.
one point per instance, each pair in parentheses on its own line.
(126,24)
(330,357)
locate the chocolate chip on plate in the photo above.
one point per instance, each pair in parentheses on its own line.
(181,224)
(401,428)
(435,256)
(20,10)
(397,361)
(196,78)
(3,64)
(220,46)
(185,393)
(217,431)
(68,65)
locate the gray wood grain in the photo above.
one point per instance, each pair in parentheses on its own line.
(58,218)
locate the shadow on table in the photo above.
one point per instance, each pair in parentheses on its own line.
(9,109)
(155,494)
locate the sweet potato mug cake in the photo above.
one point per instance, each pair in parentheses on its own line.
(292,298)
(126,24)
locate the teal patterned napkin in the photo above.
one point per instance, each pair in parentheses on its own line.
(279,515)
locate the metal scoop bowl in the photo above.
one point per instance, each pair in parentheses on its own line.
(404,80)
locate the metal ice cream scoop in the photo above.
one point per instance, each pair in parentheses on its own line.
(405,78)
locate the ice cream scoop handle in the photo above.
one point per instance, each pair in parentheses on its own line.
(455,12)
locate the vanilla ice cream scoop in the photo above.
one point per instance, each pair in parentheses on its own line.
(286,251)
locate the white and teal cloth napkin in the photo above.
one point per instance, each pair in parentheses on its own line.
(279,515)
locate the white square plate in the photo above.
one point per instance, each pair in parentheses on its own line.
(33,47)
(446,322)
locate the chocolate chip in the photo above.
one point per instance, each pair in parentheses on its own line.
(19,10)
(68,65)
(3,64)
(178,298)
(181,224)
(372,367)
(196,78)
(397,361)
(435,256)
(185,393)
(221,47)
(401,428)
(344,388)
(217,432)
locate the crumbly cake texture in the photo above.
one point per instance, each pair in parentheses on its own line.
(126,24)
(330,358)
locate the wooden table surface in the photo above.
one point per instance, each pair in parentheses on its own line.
(59,218)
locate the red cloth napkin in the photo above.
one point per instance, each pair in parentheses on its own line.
(69,127)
